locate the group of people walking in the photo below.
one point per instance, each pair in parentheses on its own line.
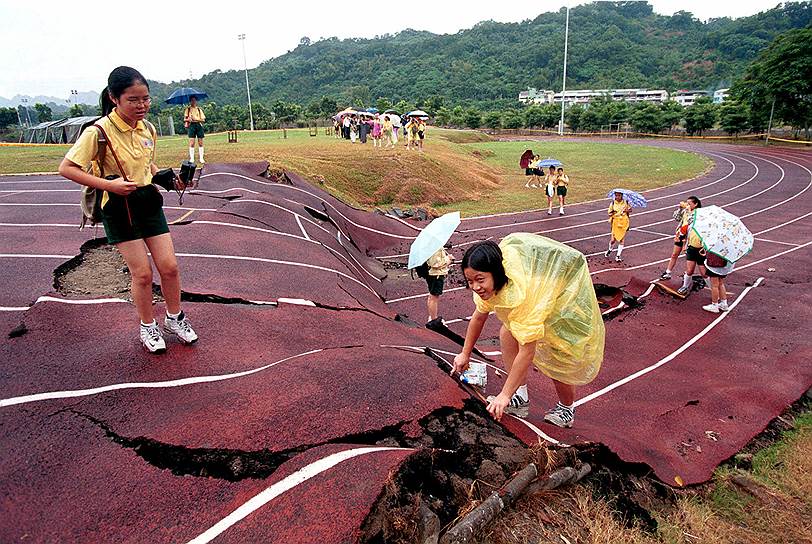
(383,129)
(554,181)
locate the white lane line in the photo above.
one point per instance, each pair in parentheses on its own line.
(290,187)
(786,223)
(10,193)
(80,301)
(41,191)
(616,308)
(73,205)
(672,355)
(392,301)
(25,399)
(777,242)
(14,308)
(772,256)
(26,256)
(304,232)
(28,182)
(74,225)
(201,191)
(286,484)
(276,261)
(654,232)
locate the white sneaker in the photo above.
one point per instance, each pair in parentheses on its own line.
(202,161)
(560,416)
(534,186)
(152,338)
(608,251)
(712,308)
(549,212)
(560,212)
(723,305)
(181,328)
(618,259)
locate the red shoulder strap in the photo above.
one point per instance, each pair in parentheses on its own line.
(113,151)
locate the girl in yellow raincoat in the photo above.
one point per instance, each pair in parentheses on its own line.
(542,293)
(619,211)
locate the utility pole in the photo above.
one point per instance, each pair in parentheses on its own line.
(27,115)
(241,37)
(770,124)
(564,79)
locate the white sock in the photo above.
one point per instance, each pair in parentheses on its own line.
(173,316)
(610,246)
(192,154)
(522,392)
(619,249)
(148,324)
(686,280)
(200,149)
(667,270)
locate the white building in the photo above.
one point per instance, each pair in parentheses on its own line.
(687,98)
(628,95)
(534,96)
(720,95)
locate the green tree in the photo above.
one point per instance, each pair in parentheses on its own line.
(512,119)
(383,104)
(671,114)
(44,113)
(473,118)
(492,119)
(76,111)
(328,106)
(783,74)
(700,116)
(573,115)
(734,117)
(646,118)
(534,116)
(286,111)
(443,116)
(8,117)
(458,116)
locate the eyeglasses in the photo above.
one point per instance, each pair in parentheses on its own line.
(135,101)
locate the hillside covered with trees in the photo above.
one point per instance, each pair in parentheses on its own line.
(612,44)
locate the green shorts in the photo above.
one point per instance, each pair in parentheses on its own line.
(435,284)
(561,190)
(196,130)
(137,216)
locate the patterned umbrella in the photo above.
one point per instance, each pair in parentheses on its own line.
(550,162)
(635,200)
(722,233)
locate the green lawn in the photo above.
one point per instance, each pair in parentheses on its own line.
(593,169)
(459,170)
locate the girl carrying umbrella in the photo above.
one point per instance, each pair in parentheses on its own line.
(550,183)
(619,211)
(542,293)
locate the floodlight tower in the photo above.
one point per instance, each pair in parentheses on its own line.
(74,96)
(241,37)
(25,105)
(564,79)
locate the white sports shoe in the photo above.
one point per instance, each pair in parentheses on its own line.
(152,339)
(181,328)
(712,308)
(560,416)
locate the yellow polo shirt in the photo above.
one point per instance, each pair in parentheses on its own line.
(135,148)
(195,114)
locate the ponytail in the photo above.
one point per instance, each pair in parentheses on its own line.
(106,103)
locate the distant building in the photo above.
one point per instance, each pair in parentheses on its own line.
(627,95)
(687,98)
(720,96)
(534,96)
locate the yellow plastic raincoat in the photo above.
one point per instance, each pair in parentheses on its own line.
(549,298)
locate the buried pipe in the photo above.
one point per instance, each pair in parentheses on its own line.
(479,517)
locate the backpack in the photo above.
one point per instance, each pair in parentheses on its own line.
(91,198)
(422,271)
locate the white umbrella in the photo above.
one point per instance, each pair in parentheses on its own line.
(432,238)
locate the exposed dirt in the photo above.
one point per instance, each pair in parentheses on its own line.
(98,271)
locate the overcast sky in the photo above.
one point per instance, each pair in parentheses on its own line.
(49,47)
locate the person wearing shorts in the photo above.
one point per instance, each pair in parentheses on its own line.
(694,256)
(132,210)
(684,215)
(193,119)
(561,189)
(550,182)
(718,268)
(438,265)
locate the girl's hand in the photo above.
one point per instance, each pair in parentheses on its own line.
(460,363)
(497,406)
(120,187)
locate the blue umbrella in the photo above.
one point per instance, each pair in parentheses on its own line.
(635,200)
(432,238)
(551,162)
(418,113)
(372,110)
(184,95)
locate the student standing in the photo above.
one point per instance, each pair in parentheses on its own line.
(542,293)
(377,132)
(619,211)
(718,268)
(421,133)
(694,256)
(563,180)
(438,265)
(193,119)
(550,181)
(684,216)
(388,131)
(132,210)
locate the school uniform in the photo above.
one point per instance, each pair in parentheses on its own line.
(438,269)
(694,251)
(140,214)
(196,120)
(619,220)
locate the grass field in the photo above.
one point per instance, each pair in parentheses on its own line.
(459,170)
